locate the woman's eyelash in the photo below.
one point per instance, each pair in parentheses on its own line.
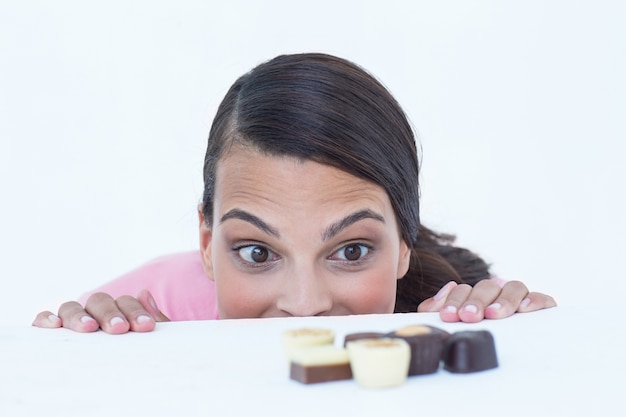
(353,252)
(257,255)
(254,253)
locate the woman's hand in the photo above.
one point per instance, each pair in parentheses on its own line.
(488,299)
(101,311)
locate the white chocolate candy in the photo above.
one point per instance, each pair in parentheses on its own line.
(296,339)
(378,363)
(320,355)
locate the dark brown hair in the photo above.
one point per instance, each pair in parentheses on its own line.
(326,109)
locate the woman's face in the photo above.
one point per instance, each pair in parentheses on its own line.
(298,238)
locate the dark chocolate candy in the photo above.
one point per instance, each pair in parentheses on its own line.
(426,347)
(363,335)
(470,351)
(310,374)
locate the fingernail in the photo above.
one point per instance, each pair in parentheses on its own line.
(143,319)
(495,306)
(116,320)
(53,318)
(450,309)
(524,303)
(471,308)
(443,292)
(86,319)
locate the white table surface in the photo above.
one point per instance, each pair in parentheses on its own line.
(560,362)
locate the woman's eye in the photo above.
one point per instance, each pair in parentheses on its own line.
(352,252)
(255,254)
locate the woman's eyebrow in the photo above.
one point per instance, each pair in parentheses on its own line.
(329,233)
(338,226)
(250,218)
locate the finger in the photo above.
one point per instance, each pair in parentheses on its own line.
(508,301)
(435,303)
(138,318)
(147,301)
(456,298)
(47,320)
(74,317)
(104,309)
(482,295)
(536,301)
(501,282)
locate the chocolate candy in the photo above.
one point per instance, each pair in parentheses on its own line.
(362,335)
(470,351)
(320,364)
(426,344)
(378,363)
(386,359)
(295,339)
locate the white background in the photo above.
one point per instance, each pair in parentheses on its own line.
(105,109)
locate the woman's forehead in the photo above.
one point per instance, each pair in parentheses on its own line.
(246,175)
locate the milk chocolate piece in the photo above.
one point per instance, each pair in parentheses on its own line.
(426,343)
(320,364)
(470,351)
(320,373)
(362,335)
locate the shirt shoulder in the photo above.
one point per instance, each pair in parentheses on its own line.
(177,282)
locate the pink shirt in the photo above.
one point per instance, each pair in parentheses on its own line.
(177,282)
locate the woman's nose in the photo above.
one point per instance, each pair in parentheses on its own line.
(305,294)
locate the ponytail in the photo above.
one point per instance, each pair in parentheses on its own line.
(435,261)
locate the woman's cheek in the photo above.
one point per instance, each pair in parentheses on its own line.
(239,298)
(239,304)
(372,293)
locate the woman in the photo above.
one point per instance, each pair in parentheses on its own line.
(310,207)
